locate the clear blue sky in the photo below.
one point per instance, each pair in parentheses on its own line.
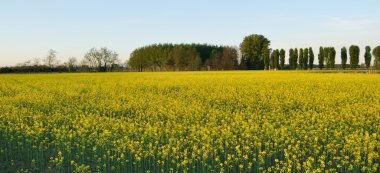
(29,29)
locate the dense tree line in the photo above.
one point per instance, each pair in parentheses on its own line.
(302,59)
(254,54)
(184,57)
(33,69)
(293,58)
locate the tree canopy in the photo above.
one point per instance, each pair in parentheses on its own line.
(343,55)
(252,49)
(354,56)
(321,58)
(368,57)
(276,57)
(329,57)
(291,58)
(266,54)
(282,59)
(305,58)
(184,57)
(300,59)
(376,54)
(311,58)
(295,59)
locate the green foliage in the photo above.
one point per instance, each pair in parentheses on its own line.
(252,50)
(305,58)
(300,59)
(321,58)
(295,59)
(184,57)
(368,57)
(343,55)
(229,60)
(276,55)
(332,57)
(291,59)
(266,55)
(326,53)
(329,57)
(311,58)
(376,54)
(282,59)
(271,60)
(354,56)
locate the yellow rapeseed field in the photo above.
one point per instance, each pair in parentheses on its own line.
(239,121)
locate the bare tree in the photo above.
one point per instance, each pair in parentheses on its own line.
(102,58)
(93,58)
(71,63)
(36,62)
(110,58)
(26,63)
(51,59)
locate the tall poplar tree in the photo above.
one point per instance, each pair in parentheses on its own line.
(266,57)
(376,54)
(343,55)
(305,58)
(311,58)
(368,57)
(300,59)
(332,55)
(282,59)
(291,57)
(271,61)
(354,56)
(276,55)
(295,59)
(321,58)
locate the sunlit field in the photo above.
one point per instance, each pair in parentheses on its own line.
(246,121)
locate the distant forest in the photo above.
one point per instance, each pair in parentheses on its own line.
(254,53)
(183,57)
